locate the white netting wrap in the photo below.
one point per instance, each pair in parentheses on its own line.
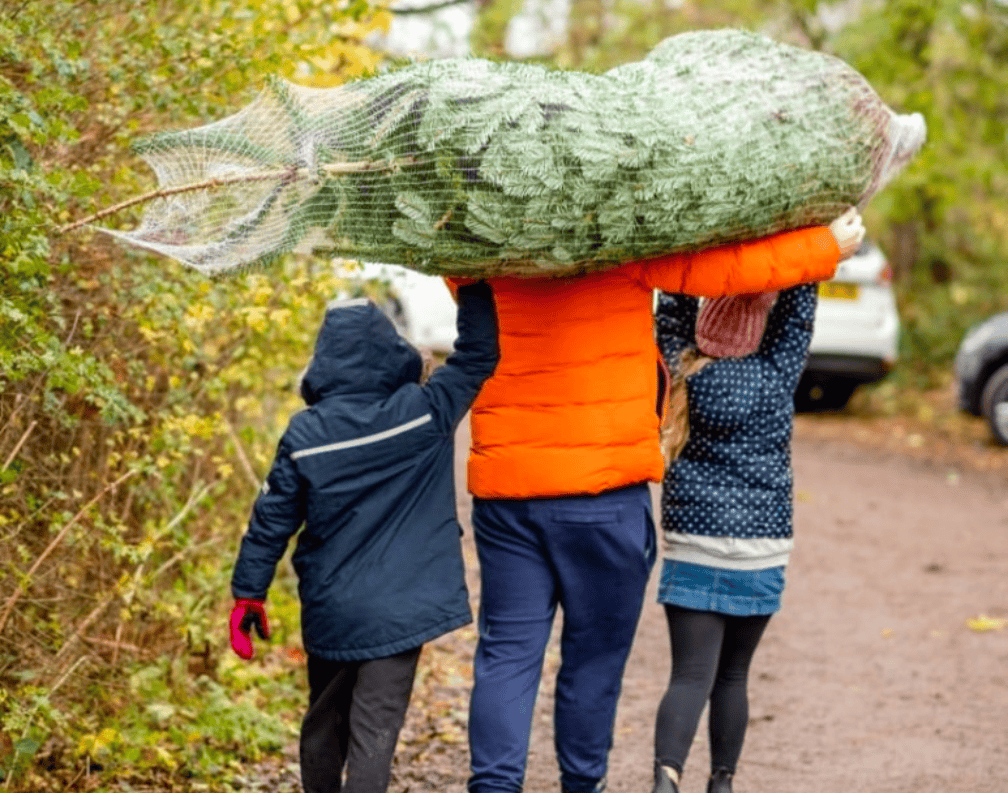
(468,167)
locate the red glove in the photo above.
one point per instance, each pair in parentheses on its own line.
(246,614)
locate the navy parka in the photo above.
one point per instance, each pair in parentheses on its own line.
(367,470)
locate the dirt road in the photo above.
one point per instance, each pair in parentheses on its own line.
(869,678)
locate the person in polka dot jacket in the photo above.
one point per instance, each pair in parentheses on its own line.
(726,503)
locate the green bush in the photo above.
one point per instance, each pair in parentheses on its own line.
(945,221)
(139,402)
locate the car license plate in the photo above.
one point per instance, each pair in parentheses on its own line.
(836,290)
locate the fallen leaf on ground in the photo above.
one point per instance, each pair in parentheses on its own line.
(982,623)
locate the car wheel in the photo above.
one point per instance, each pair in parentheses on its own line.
(815,394)
(994,404)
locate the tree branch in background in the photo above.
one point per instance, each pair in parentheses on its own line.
(17,448)
(242,457)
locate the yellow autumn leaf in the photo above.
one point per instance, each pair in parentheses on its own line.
(983,624)
(97,744)
(164,756)
(86,744)
(280,316)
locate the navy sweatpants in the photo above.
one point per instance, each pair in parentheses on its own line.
(591,555)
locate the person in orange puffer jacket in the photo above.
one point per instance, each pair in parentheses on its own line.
(565,438)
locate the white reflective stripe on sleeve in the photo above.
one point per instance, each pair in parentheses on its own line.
(347,303)
(378,436)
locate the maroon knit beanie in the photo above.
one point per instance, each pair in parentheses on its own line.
(732,327)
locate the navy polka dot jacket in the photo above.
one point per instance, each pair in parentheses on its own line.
(727,499)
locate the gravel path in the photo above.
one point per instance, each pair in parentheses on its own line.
(869,678)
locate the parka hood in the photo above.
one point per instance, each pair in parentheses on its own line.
(359,351)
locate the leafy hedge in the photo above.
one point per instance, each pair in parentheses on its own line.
(139,401)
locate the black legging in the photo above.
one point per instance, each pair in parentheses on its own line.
(710,659)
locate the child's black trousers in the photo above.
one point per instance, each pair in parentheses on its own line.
(355,712)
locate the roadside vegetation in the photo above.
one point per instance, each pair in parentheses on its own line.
(140,403)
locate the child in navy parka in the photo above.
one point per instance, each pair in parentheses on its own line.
(367,470)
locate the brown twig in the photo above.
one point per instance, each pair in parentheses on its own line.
(242,457)
(96,612)
(67,674)
(182,554)
(115,645)
(21,588)
(284,174)
(170,191)
(87,767)
(444,219)
(22,400)
(18,445)
(72,329)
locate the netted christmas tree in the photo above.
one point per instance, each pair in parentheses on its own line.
(469,167)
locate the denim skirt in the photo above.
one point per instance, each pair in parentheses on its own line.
(739,593)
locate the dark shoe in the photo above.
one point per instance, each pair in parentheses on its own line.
(600,786)
(720,781)
(662,783)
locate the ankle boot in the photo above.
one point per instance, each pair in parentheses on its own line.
(662,782)
(720,781)
(600,787)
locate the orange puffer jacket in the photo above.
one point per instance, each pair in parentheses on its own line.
(570,408)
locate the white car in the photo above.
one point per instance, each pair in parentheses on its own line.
(420,305)
(856,332)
